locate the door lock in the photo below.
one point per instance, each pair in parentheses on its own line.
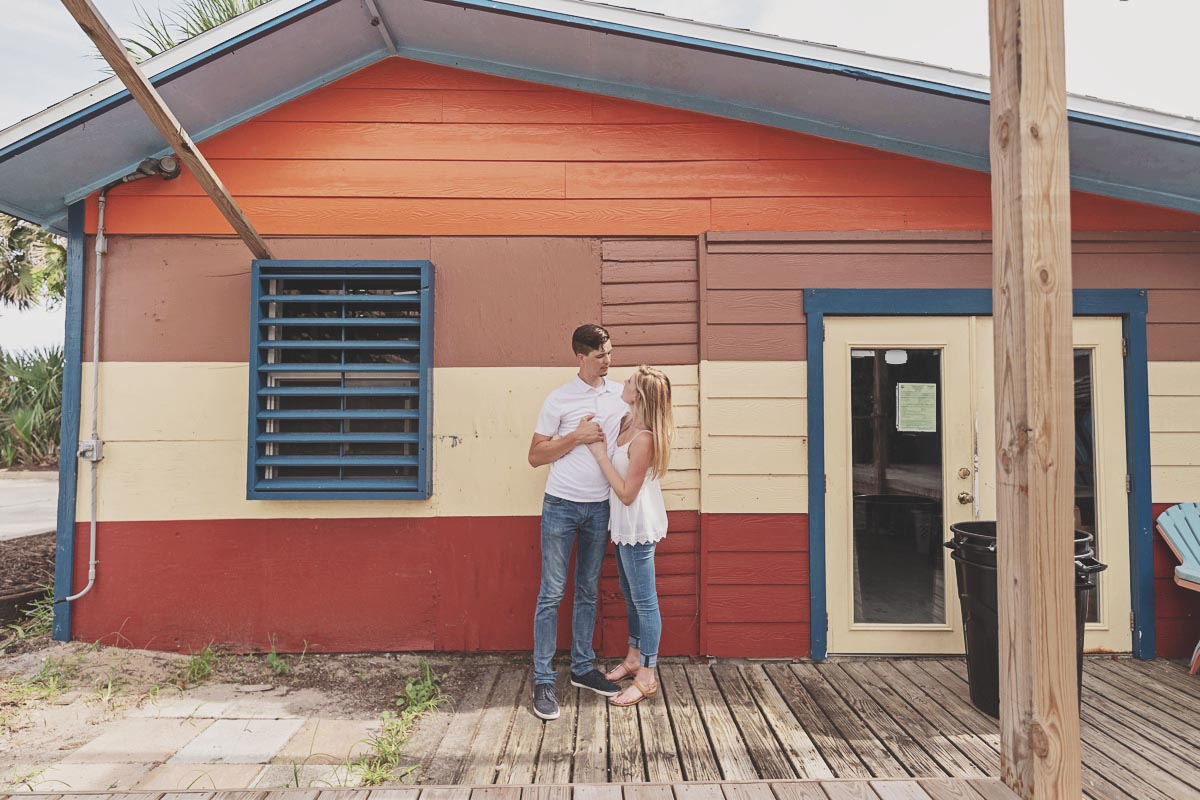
(966,498)
(964,472)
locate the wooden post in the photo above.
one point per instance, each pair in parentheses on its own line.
(151,101)
(1039,712)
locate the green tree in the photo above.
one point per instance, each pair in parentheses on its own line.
(162,30)
(32,264)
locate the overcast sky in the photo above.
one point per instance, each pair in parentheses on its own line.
(1140,52)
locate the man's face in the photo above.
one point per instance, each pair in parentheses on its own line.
(596,363)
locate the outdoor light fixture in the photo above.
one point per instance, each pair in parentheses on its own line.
(167,166)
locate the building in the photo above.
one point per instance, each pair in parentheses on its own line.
(293,459)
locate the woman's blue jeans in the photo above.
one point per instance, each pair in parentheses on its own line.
(635,569)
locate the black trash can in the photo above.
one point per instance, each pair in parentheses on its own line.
(973,549)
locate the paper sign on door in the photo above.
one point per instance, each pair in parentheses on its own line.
(916,407)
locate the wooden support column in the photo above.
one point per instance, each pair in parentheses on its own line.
(1039,711)
(164,120)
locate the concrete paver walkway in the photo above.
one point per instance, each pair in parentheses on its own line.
(216,737)
(28,503)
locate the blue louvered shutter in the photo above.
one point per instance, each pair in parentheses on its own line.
(340,374)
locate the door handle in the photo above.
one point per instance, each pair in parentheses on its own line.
(966,498)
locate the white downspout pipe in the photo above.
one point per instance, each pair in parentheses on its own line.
(93,449)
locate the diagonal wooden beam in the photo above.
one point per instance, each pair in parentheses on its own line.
(109,45)
(1031,271)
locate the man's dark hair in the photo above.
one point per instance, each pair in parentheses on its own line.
(588,338)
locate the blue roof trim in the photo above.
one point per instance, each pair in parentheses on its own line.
(830,67)
(166,76)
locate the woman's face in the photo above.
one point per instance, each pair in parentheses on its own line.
(629,393)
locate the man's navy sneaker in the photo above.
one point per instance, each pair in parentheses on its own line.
(595,681)
(545,704)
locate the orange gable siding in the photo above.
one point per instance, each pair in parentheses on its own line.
(407,148)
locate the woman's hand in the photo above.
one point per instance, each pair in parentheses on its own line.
(598,449)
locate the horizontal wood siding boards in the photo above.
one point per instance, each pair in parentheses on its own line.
(404,148)
(754,435)
(176,299)
(351,216)
(175,437)
(773,178)
(1177,610)
(754,282)
(464,584)
(653,320)
(1175,429)
(358,178)
(755,600)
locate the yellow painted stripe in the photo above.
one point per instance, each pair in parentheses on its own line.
(754,443)
(1174,430)
(175,435)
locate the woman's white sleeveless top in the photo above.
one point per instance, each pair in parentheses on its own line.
(644,520)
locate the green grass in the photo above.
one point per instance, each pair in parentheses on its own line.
(52,679)
(39,619)
(199,667)
(276,662)
(422,693)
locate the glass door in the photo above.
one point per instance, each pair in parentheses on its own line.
(899,459)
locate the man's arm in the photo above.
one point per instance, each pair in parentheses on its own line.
(546,450)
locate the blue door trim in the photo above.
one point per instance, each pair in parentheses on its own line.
(1129,304)
(68,464)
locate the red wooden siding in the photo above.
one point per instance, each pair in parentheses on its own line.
(752,303)
(1176,610)
(353,585)
(406,148)
(755,586)
(651,300)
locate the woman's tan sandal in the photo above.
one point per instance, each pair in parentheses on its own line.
(646,692)
(621,672)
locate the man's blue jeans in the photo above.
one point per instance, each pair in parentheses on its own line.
(562,522)
(635,569)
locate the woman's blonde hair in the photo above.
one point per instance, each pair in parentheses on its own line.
(654,396)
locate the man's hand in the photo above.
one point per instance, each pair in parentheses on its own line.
(589,431)
(546,450)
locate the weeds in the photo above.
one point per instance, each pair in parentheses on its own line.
(39,621)
(49,682)
(198,667)
(278,663)
(422,693)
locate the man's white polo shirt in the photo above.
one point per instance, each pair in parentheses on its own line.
(576,476)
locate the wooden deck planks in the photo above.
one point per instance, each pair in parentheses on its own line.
(446,764)
(495,725)
(518,759)
(765,751)
(591,740)
(834,748)
(625,760)
(878,759)
(887,729)
(797,745)
(899,790)
(555,760)
(696,756)
(658,740)
(888,682)
(728,745)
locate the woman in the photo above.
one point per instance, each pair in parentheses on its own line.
(638,521)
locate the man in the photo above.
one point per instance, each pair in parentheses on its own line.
(586,410)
